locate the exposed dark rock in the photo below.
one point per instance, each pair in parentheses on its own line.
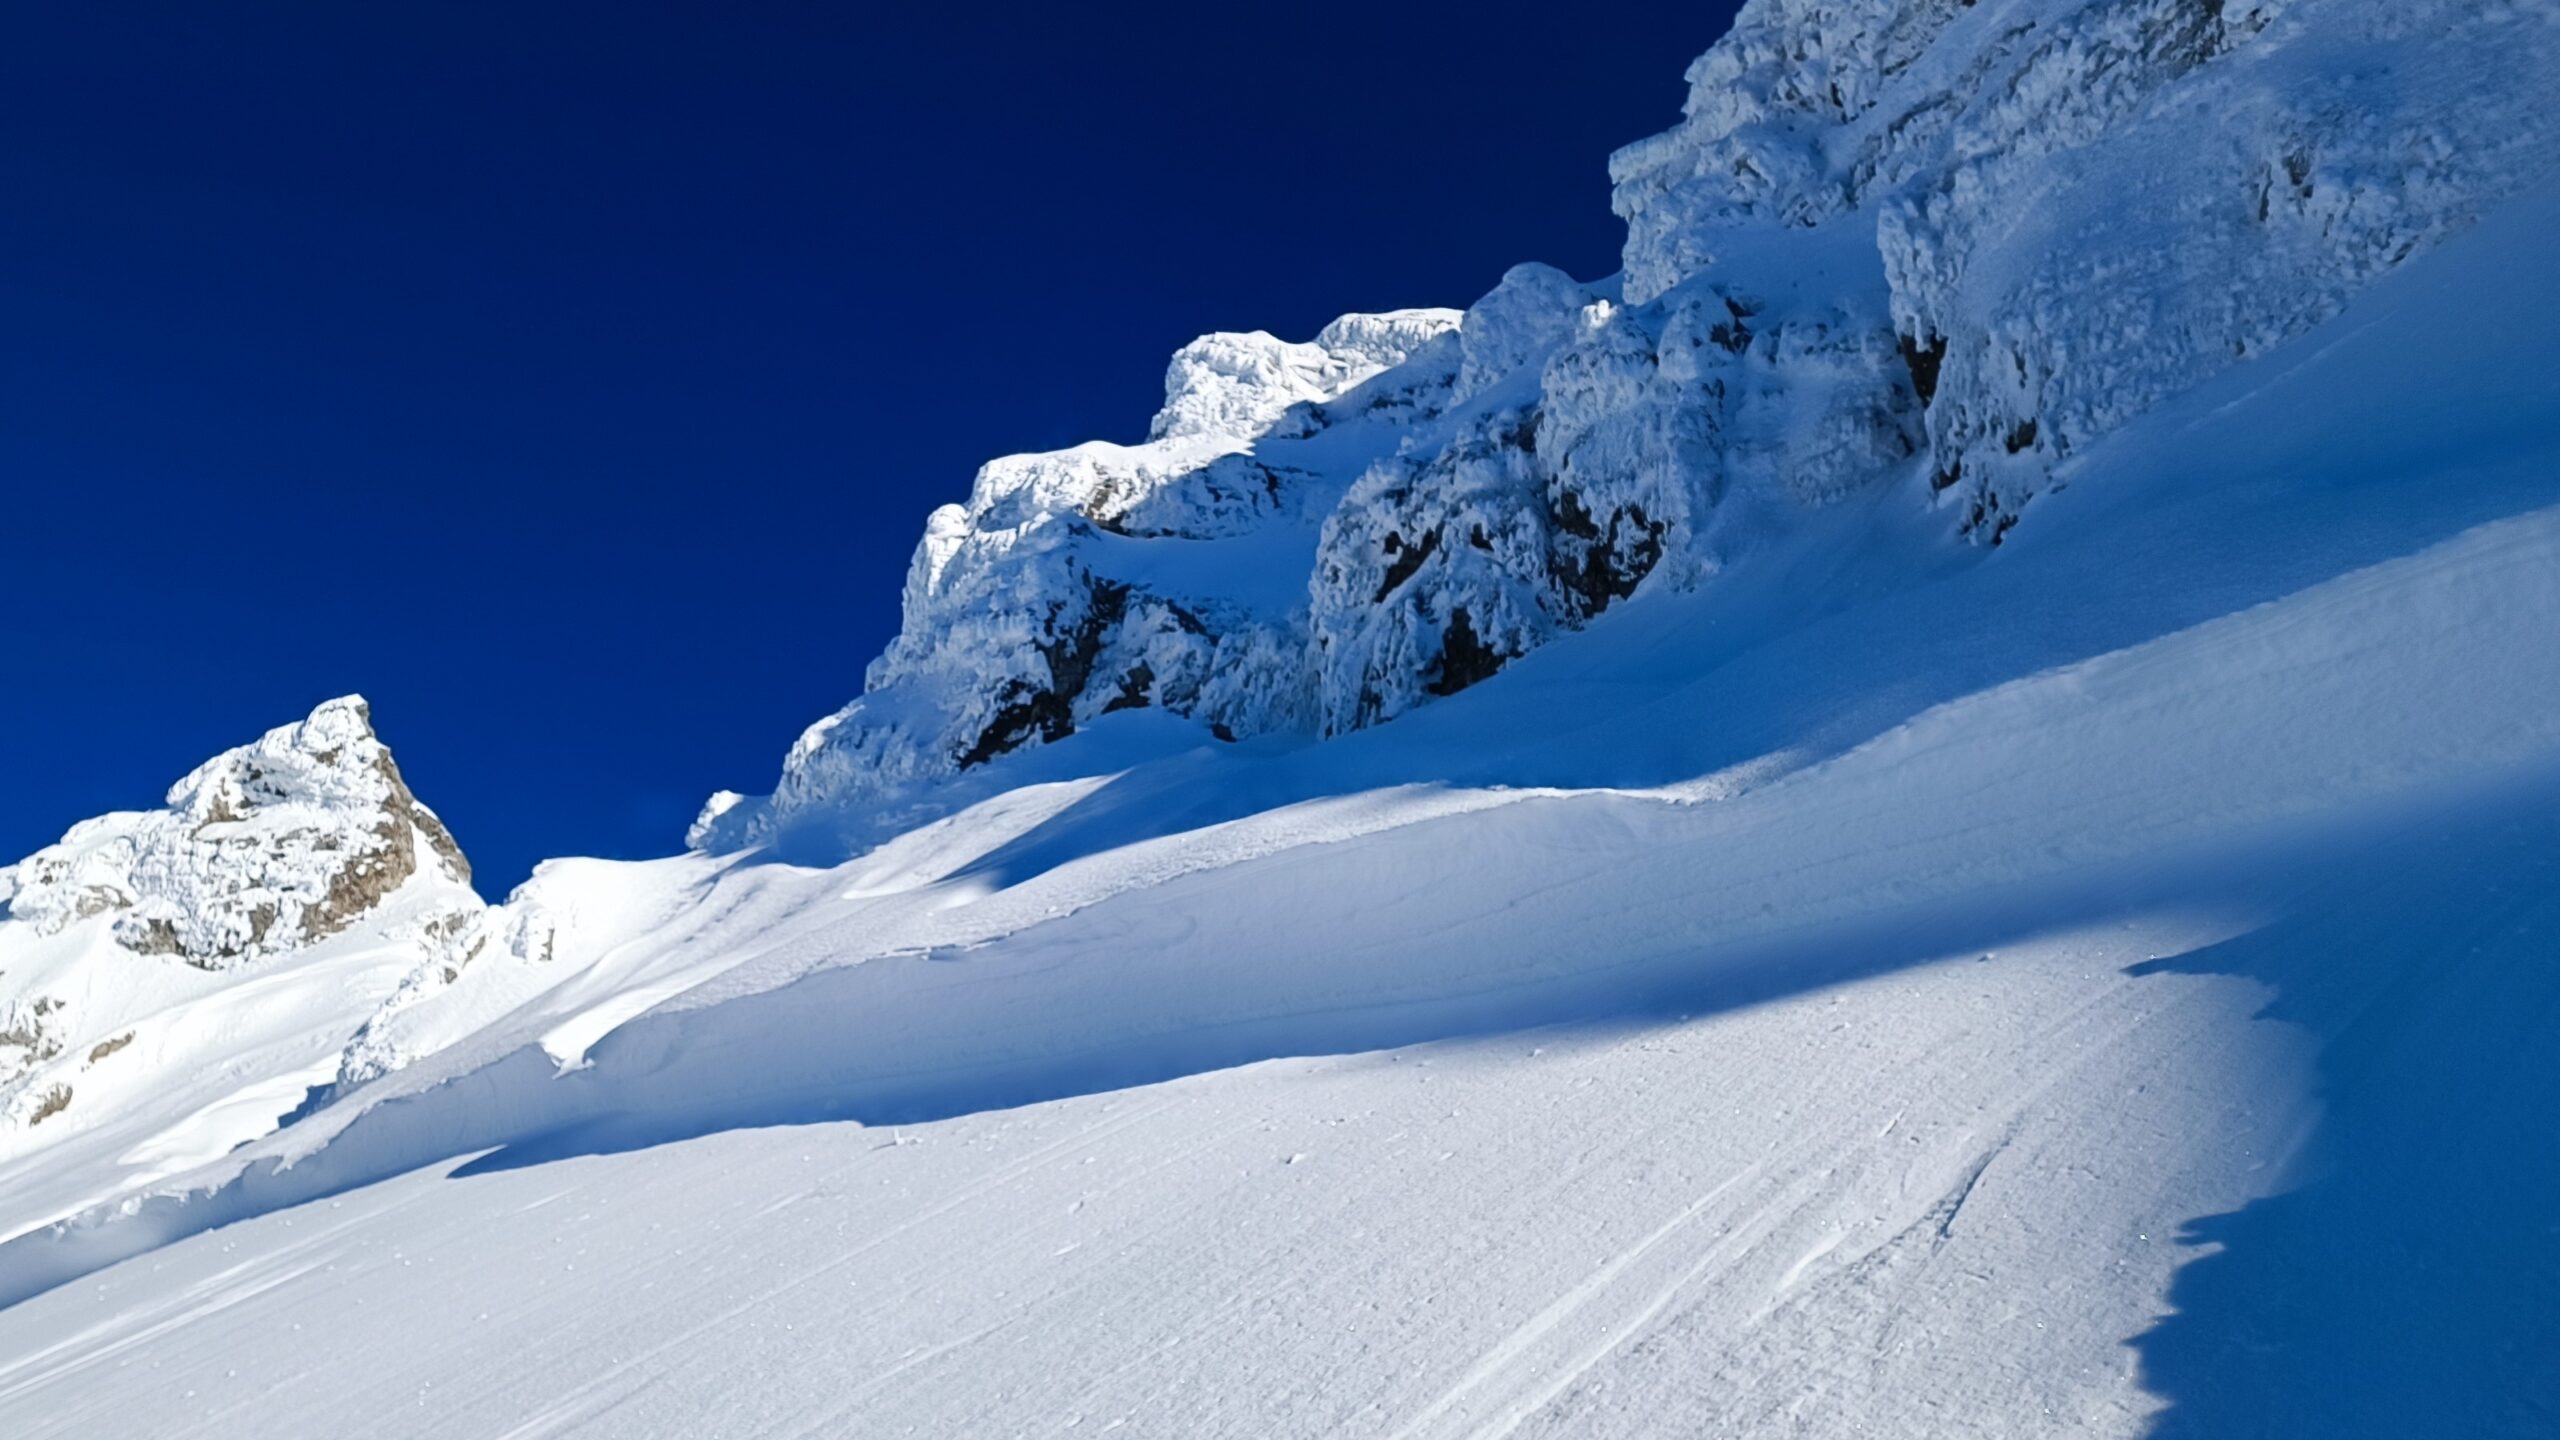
(1134,687)
(1733,335)
(1404,561)
(1049,711)
(1464,657)
(441,841)
(1923,359)
(155,937)
(32,1033)
(55,1101)
(1606,564)
(1987,518)
(371,873)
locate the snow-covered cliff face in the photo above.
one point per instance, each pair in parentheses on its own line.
(262,850)
(2084,206)
(1935,244)
(1112,577)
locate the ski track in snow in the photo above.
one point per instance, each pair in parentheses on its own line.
(1166,1240)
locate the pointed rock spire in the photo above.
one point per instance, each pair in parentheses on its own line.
(261,850)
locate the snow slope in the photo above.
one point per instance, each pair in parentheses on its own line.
(1863,996)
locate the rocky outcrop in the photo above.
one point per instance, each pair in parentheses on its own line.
(1941,245)
(33,1030)
(1230,387)
(2085,206)
(1104,578)
(130,948)
(260,851)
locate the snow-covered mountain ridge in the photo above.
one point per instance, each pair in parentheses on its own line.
(1933,249)
(1884,238)
(1880,1024)
(1791,968)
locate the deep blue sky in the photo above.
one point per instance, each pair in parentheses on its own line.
(573,380)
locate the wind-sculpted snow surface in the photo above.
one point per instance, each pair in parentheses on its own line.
(1779,1011)
(1901,913)
(1933,250)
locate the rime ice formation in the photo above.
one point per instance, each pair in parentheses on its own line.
(1233,387)
(1112,577)
(1941,245)
(2083,208)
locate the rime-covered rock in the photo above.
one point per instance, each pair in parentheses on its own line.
(170,978)
(2085,206)
(1232,387)
(261,850)
(1169,574)
(1937,244)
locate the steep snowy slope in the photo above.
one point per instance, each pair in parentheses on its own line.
(1879,966)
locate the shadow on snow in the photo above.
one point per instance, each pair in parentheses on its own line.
(2412,1285)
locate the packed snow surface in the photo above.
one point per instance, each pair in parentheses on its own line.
(2091,986)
